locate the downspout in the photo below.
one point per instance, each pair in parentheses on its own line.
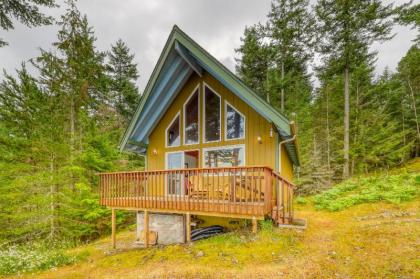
(280,154)
(292,129)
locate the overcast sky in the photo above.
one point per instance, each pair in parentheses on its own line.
(144,25)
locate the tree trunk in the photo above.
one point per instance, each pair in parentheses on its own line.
(52,197)
(415,117)
(72,135)
(268,86)
(282,88)
(72,129)
(328,139)
(346,149)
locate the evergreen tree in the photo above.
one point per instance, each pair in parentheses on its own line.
(409,74)
(346,28)
(290,30)
(25,11)
(410,15)
(123,73)
(56,132)
(254,60)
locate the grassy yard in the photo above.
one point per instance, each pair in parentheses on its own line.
(366,227)
(378,240)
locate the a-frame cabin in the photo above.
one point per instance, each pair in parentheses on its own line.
(213,147)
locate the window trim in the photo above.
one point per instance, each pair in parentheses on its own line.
(241,114)
(204,113)
(166,176)
(167,128)
(167,153)
(197,88)
(222,147)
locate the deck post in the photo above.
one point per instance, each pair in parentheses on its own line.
(113,228)
(146,229)
(254,225)
(188,227)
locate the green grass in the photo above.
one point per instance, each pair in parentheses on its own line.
(372,240)
(394,189)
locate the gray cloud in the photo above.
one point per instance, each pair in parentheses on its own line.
(217,25)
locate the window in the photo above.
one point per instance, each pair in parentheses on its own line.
(235,123)
(230,156)
(191,119)
(211,115)
(173,133)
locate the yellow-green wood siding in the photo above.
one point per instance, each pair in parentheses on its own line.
(256,154)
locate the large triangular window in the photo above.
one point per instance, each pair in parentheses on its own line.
(173,133)
(235,123)
(191,119)
(212,112)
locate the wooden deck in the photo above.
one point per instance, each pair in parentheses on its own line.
(239,192)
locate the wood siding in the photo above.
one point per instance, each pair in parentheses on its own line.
(256,154)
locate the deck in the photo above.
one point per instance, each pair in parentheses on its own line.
(251,192)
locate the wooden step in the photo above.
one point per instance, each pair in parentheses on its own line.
(279,219)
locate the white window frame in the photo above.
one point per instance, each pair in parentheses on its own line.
(166,176)
(222,147)
(167,128)
(185,119)
(204,113)
(241,114)
(183,167)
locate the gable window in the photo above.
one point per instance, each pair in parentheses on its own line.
(191,119)
(212,113)
(235,123)
(173,133)
(226,156)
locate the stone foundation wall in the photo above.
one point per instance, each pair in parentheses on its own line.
(170,228)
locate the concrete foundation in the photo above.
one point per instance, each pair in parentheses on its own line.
(170,228)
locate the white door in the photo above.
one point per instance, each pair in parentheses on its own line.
(174,160)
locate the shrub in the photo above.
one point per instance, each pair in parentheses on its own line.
(33,257)
(388,188)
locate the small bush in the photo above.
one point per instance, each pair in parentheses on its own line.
(33,257)
(301,200)
(392,188)
(266,226)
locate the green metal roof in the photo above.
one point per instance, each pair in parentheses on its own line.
(195,59)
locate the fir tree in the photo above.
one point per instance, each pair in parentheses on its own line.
(291,33)
(346,28)
(26,12)
(254,60)
(409,74)
(123,73)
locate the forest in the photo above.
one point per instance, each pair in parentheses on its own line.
(61,121)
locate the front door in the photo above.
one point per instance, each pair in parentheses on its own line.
(174,160)
(179,160)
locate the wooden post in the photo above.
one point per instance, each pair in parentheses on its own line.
(254,225)
(268,191)
(188,227)
(146,228)
(113,228)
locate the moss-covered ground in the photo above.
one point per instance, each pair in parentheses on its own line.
(371,239)
(378,240)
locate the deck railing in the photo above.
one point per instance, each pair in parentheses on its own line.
(248,192)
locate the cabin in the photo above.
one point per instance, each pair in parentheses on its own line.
(215,152)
